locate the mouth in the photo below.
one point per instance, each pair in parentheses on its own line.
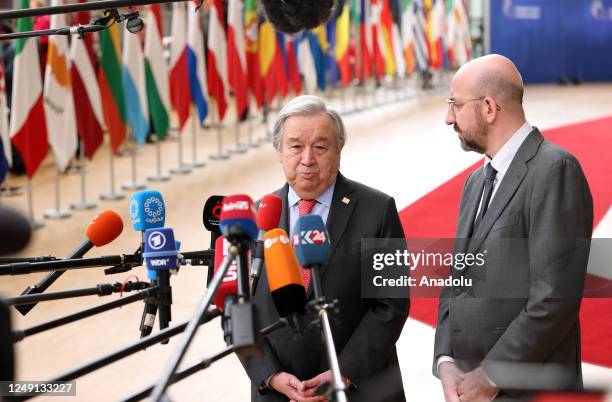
(307,175)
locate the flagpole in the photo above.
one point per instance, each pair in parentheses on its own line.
(240,148)
(159,176)
(219,155)
(182,168)
(57,213)
(112,195)
(252,144)
(84,203)
(266,112)
(133,185)
(36,224)
(194,142)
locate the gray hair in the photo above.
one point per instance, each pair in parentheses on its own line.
(307,105)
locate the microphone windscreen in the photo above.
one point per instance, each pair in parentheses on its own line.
(229,283)
(311,241)
(104,228)
(238,217)
(15,231)
(212,213)
(283,273)
(269,212)
(147,210)
(160,251)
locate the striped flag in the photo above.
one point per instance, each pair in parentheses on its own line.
(435,26)
(196,61)
(365,35)
(57,95)
(217,57)
(28,126)
(268,58)
(378,41)
(343,30)
(332,65)
(421,54)
(236,55)
(318,47)
(134,87)
(458,33)
(156,74)
(396,41)
(180,93)
(85,90)
(5,146)
(292,64)
(386,24)
(111,86)
(251,27)
(306,63)
(282,65)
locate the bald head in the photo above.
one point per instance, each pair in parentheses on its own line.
(495,76)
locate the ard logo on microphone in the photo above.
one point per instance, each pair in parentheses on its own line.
(309,237)
(272,241)
(157,240)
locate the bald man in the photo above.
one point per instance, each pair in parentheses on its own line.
(529,211)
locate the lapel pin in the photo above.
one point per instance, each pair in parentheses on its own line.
(345,200)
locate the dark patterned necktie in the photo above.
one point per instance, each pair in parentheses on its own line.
(489,180)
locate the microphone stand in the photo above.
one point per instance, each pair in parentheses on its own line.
(323,307)
(192,327)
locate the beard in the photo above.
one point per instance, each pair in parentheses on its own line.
(474,140)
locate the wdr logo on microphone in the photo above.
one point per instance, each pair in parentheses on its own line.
(270,242)
(309,237)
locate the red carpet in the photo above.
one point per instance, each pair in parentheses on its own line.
(435,215)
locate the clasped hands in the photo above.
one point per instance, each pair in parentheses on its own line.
(473,386)
(301,391)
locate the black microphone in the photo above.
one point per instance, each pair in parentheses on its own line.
(80,30)
(103,228)
(210,217)
(15,231)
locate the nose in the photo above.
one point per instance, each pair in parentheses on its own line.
(450,116)
(307,156)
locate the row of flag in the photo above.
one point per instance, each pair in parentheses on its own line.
(130,83)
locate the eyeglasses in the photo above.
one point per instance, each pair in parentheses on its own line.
(455,105)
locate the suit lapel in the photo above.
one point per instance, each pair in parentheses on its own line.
(510,183)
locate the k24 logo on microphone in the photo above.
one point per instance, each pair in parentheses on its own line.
(272,241)
(309,237)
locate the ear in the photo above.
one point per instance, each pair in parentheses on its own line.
(490,109)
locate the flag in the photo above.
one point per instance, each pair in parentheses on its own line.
(156,73)
(421,54)
(435,26)
(378,41)
(365,35)
(134,86)
(86,90)
(282,65)
(180,93)
(387,46)
(318,46)
(294,72)
(217,57)
(343,30)
(111,86)
(271,61)
(196,62)
(5,146)
(28,126)
(236,55)
(396,41)
(408,23)
(332,65)
(251,28)
(458,33)
(57,96)
(306,63)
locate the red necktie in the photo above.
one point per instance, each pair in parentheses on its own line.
(305,207)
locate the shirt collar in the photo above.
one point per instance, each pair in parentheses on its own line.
(501,161)
(324,198)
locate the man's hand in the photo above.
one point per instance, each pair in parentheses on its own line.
(307,388)
(287,384)
(476,387)
(451,376)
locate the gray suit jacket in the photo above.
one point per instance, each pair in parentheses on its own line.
(522,306)
(365,330)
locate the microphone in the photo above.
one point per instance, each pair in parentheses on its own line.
(103,228)
(226,294)
(15,231)
(311,241)
(268,218)
(210,218)
(284,276)
(237,221)
(80,30)
(147,211)
(160,256)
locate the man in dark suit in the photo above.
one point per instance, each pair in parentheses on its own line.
(309,138)
(529,209)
